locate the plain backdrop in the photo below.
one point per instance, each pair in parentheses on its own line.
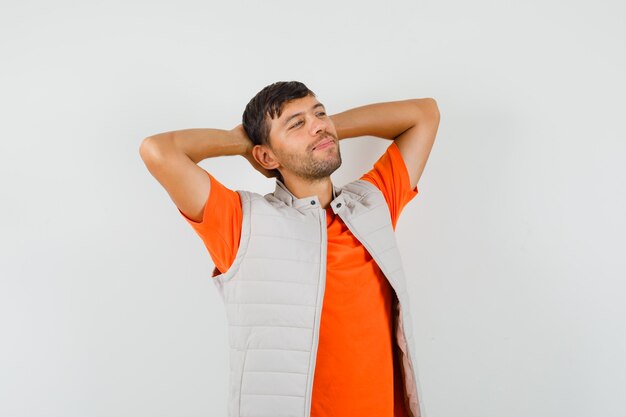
(514,248)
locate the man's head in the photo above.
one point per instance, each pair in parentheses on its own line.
(285,121)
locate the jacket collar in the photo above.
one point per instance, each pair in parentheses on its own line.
(282,193)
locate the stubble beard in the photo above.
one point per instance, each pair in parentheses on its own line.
(314,165)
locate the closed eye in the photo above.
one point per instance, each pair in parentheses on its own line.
(300,121)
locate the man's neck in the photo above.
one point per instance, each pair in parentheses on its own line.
(323,189)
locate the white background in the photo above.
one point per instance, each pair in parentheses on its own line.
(514,247)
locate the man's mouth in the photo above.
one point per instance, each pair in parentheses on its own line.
(324,144)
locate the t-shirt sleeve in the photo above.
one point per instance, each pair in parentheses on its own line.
(391,176)
(220,228)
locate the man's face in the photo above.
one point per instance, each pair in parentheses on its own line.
(301,127)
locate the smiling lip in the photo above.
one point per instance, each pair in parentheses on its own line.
(324,144)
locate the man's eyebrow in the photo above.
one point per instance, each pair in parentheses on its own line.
(300,113)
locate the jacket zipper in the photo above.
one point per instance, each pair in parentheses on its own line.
(321,215)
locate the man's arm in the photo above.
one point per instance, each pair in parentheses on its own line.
(411,123)
(172,158)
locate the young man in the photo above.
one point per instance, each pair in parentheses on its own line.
(311,277)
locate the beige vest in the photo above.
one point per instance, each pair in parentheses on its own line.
(273,294)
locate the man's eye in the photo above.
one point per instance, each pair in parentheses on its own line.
(298,123)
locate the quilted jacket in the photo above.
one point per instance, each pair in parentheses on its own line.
(274,289)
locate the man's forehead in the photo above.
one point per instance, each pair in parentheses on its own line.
(302,103)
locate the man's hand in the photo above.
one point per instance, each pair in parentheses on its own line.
(240,134)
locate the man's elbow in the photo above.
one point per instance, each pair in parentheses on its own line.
(149,150)
(427,107)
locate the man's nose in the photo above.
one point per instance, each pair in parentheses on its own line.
(318,125)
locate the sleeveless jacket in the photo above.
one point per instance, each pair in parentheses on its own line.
(273,294)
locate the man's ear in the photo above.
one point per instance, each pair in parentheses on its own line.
(265,157)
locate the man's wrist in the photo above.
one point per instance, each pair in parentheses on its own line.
(339,128)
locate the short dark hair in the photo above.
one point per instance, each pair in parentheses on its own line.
(270,101)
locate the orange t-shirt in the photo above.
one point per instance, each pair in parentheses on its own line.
(357,370)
